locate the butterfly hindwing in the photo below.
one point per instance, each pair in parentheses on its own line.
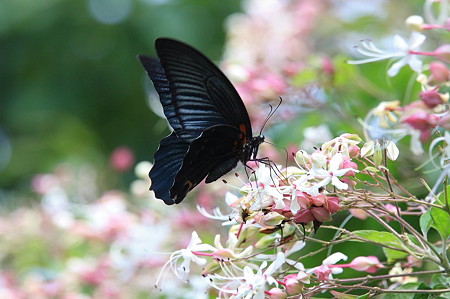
(168,161)
(210,156)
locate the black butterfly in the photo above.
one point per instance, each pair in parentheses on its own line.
(211,127)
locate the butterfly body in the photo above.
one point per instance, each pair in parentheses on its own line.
(211,126)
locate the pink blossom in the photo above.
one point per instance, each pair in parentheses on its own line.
(421,120)
(359,213)
(369,264)
(319,207)
(347,163)
(392,209)
(431,98)
(42,183)
(439,72)
(304,216)
(327,66)
(354,151)
(276,293)
(443,53)
(292,284)
(322,272)
(121,159)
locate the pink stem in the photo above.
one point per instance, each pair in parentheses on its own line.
(202,253)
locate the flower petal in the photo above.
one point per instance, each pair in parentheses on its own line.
(416,39)
(395,68)
(338,183)
(400,43)
(415,63)
(334,258)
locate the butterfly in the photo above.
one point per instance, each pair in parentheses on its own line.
(211,127)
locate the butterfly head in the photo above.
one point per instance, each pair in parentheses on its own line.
(252,146)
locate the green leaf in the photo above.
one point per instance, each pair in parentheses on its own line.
(444,197)
(422,286)
(385,239)
(425,222)
(393,255)
(372,169)
(441,222)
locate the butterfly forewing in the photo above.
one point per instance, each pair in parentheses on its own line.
(201,94)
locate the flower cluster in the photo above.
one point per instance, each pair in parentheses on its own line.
(267,46)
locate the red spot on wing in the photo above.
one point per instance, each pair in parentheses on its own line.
(243,137)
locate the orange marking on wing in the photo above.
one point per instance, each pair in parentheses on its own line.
(243,129)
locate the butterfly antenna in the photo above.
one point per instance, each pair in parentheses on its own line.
(271,113)
(287,156)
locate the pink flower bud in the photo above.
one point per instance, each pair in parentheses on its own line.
(353,151)
(443,53)
(276,293)
(292,285)
(346,163)
(332,204)
(359,213)
(431,98)
(439,72)
(327,66)
(369,264)
(321,214)
(121,159)
(304,216)
(421,120)
(322,273)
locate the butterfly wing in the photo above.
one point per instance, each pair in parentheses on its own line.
(168,160)
(214,153)
(195,96)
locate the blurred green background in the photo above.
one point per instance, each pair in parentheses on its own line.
(71,87)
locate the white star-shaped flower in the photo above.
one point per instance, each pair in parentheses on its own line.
(404,51)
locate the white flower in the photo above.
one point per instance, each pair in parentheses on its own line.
(180,260)
(403,51)
(227,219)
(331,174)
(246,283)
(255,282)
(264,190)
(325,267)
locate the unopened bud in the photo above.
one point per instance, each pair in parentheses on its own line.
(431,98)
(439,73)
(443,53)
(292,284)
(369,264)
(276,293)
(272,218)
(302,158)
(415,23)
